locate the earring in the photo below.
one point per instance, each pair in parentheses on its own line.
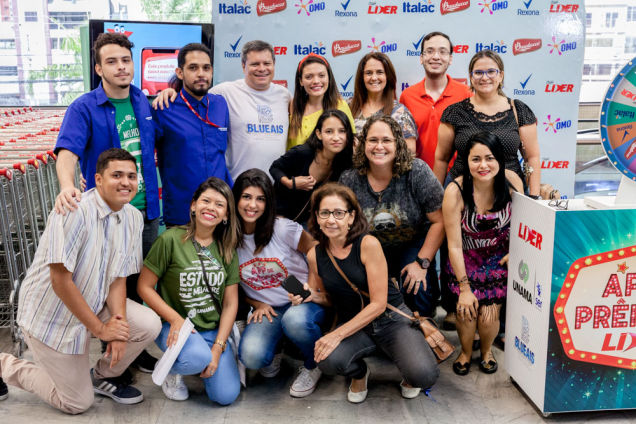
(192,214)
(348,227)
(225,221)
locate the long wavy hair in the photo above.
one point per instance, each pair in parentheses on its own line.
(360,93)
(403,156)
(343,160)
(265,223)
(329,101)
(226,235)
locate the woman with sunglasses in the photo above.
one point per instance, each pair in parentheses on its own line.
(489,110)
(196,267)
(348,271)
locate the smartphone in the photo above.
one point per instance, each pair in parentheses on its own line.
(157,67)
(295,287)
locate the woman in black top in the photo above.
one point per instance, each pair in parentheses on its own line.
(327,152)
(364,324)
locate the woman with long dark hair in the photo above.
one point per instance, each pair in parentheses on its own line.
(476,212)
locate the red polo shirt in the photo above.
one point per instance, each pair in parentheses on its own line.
(427,113)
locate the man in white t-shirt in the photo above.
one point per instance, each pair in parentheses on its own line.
(259,111)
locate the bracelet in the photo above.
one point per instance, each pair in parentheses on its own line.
(464,279)
(293,183)
(221,343)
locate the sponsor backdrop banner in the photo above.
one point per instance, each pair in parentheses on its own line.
(540,41)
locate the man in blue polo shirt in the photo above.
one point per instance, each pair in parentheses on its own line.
(193,134)
(115,114)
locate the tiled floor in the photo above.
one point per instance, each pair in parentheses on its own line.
(476,398)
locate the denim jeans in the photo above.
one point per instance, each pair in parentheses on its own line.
(425,301)
(394,335)
(301,325)
(224,386)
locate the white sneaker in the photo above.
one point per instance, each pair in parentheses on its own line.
(359,397)
(409,392)
(272,369)
(305,383)
(174,388)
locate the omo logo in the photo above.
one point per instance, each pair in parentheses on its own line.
(344,13)
(382,46)
(556,124)
(310,6)
(235,8)
(561,46)
(418,7)
(493,5)
(233,53)
(417,48)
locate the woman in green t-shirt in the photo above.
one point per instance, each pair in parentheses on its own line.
(196,267)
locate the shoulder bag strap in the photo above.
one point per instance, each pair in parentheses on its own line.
(215,301)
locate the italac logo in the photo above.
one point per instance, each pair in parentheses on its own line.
(315,48)
(345,88)
(340,47)
(622,113)
(525,90)
(526,45)
(376,9)
(559,7)
(561,46)
(309,6)
(236,8)
(417,48)
(232,53)
(553,87)
(382,46)
(418,7)
(492,6)
(556,124)
(265,7)
(344,12)
(527,10)
(496,46)
(450,6)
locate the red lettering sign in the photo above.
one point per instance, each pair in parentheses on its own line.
(382,10)
(526,45)
(564,8)
(265,7)
(450,6)
(280,50)
(340,47)
(460,48)
(529,235)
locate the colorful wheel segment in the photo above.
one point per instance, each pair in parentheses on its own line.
(618,121)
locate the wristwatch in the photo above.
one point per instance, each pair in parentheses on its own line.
(221,343)
(535,197)
(424,263)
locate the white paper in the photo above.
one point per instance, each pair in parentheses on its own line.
(163,366)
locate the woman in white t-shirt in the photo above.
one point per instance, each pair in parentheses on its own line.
(270,250)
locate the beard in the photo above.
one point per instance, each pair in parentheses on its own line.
(198,91)
(113,84)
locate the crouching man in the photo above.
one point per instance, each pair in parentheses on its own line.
(76,287)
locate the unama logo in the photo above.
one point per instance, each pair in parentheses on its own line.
(555,124)
(527,10)
(561,46)
(344,13)
(233,46)
(492,6)
(236,8)
(418,7)
(309,6)
(382,46)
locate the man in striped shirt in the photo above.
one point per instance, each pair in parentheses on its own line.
(75,287)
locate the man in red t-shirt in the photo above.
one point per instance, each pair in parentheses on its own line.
(427,99)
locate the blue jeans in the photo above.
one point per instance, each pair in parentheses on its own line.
(224,386)
(301,325)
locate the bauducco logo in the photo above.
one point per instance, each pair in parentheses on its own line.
(264,7)
(450,6)
(526,45)
(340,47)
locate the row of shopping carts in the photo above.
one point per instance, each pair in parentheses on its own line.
(28,187)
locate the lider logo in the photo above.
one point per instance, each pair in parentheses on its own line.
(595,311)
(450,6)
(556,7)
(552,87)
(265,7)
(629,95)
(530,235)
(375,9)
(340,47)
(526,45)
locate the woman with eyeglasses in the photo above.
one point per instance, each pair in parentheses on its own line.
(402,200)
(196,269)
(374,93)
(348,271)
(489,110)
(477,219)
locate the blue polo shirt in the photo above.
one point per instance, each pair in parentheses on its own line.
(89,128)
(190,150)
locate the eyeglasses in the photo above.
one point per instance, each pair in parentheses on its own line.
(337,213)
(490,73)
(375,141)
(441,52)
(561,204)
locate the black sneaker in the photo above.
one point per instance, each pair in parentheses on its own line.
(114,389)
(4,390)
(145,362)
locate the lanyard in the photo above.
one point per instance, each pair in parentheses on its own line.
(206,120)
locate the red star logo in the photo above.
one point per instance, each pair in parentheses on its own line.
(622,267)
(126,33)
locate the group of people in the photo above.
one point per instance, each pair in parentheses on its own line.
(353,207)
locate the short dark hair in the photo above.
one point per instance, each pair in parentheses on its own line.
(360,225)
(174,82)
(110,38)
(256,46)
(110,155)
(434,34)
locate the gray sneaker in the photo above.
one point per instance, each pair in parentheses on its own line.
(305,383)
(174,388)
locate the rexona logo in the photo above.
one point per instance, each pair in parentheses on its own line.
(556,7)
(344,13)
(524,90)
(233,53)
(375,9)
(521,343)
(555,164)
(562,46)
(556,124)
(418,7)
(309,6)
(595,311)
(340,47)
(526,45)
(492,6)
(382,46)
(552,87)
(527,10)
(417,48)
(496,46)
(235,8)
(265,7)
(530,235)
(344,92)
(316,48)
(450,6)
